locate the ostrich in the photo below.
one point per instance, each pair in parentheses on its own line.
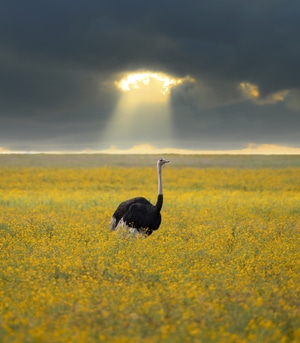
(138,214)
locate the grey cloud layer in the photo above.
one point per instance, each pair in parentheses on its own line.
(58,60)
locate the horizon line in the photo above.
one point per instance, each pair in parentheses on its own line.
(147,149)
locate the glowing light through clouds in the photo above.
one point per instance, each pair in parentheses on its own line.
(137,80)
(142,113)
(251,91)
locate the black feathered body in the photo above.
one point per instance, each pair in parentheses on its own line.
(138,213)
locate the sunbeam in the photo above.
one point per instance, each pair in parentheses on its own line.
(142,114)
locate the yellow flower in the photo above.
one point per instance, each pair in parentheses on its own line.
(223,267)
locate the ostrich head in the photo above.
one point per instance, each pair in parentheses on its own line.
(162,161)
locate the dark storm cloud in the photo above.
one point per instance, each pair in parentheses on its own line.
(230,126)
(58,61)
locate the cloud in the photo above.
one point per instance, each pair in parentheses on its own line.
(4,150)
(293,100)
(59,62)
(205,94)
(251,149)
(144,149)
(270,149)
(251,91)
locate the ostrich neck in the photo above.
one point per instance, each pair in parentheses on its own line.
(160,191)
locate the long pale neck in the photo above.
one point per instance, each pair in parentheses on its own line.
(159,171)
(160,191)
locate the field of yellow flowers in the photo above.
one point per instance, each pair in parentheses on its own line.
(223,267)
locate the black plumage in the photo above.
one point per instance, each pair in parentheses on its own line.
(138,214)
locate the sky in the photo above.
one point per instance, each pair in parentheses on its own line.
(194,75)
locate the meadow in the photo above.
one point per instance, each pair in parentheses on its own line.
(223,267)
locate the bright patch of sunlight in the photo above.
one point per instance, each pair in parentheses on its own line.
(143,111)
(160,81)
